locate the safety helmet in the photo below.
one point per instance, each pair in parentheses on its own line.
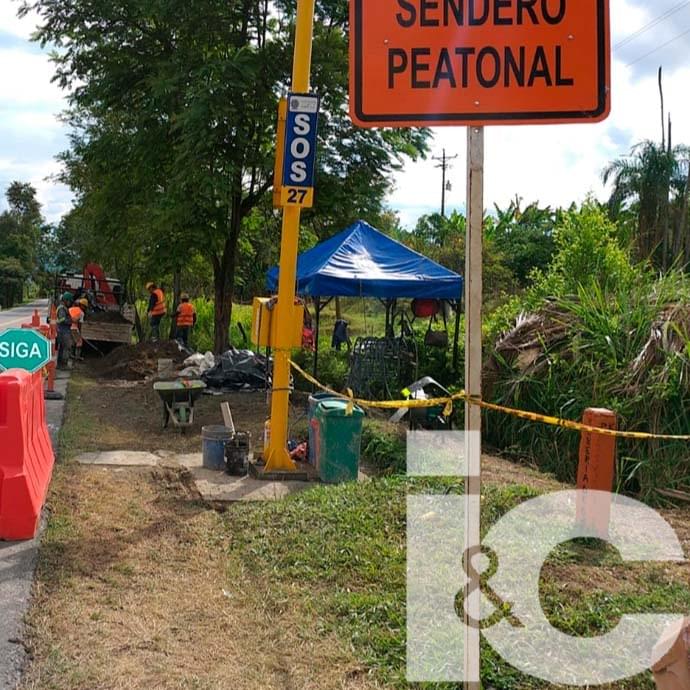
(67,297)
(184,297)
(150,286)
(83,302)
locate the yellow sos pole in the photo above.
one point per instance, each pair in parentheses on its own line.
(277,456)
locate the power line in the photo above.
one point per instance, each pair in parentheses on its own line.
(651,24)
(658,48)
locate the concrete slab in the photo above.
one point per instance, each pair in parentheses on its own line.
(119,458)
(219,487)
(303,473)
(17,566)
(190,461)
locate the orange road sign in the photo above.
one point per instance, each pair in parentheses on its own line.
(479,62)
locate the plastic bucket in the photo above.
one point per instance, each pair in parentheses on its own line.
(213,440)
(314,400)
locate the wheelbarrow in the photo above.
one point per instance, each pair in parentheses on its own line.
(178,401)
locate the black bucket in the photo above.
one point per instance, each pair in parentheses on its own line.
(237,454)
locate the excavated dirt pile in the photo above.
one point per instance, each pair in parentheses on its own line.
(137,362)
(113,317)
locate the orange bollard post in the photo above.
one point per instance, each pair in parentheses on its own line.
(671,668)
(596,471)
(49,330)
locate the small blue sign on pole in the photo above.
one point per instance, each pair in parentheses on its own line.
(299,161)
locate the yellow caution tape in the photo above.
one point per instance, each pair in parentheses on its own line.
(447,403)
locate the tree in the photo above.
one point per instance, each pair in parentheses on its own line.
(12,279)
(651,182)
(20,235)
(436,230)
(443,240)
(523,236)
(174,104)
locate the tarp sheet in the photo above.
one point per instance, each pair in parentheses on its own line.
(238,370)
(363,262)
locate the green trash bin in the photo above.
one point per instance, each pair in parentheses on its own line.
(314,400)
(338,441)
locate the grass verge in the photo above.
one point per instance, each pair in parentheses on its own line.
(345,546)
(141,586)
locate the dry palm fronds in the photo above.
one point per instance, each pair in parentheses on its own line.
(533,336)
(527,345)
(670,335)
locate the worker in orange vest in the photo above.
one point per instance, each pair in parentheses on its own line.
(76,313)
(185,320)
(156,310)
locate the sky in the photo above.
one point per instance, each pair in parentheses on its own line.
(554,165)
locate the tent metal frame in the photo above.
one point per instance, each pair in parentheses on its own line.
(390,305)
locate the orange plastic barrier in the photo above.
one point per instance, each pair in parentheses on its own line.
(596,470)
(26,454)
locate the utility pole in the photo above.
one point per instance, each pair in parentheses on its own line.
(444,164)
(277,456)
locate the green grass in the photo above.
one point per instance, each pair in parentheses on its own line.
(202,335)
(340,551)
(384,446)
(79,423)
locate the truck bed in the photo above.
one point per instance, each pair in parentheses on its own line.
(107,332)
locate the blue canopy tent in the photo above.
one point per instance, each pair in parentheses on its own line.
(363,262)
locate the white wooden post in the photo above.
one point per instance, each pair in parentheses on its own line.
(473,386)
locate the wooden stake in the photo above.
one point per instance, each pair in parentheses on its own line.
(227,416)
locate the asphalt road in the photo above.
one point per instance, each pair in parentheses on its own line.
(18,559)
(14,318)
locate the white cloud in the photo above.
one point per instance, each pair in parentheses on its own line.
(25,79)
(31,134)
(41,125)
(10,23)
(652,33)
(55,198)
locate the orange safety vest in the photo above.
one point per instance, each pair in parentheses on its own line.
(159,308)
(185,315)
(75,314)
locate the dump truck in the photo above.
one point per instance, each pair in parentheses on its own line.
(109,319)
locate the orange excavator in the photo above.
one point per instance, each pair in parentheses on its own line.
(109,319)
(103,293)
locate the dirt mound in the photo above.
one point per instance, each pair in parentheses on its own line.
(113,317)
(137,362)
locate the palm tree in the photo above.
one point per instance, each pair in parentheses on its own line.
(652,183)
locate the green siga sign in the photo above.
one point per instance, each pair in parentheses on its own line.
(24,348)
